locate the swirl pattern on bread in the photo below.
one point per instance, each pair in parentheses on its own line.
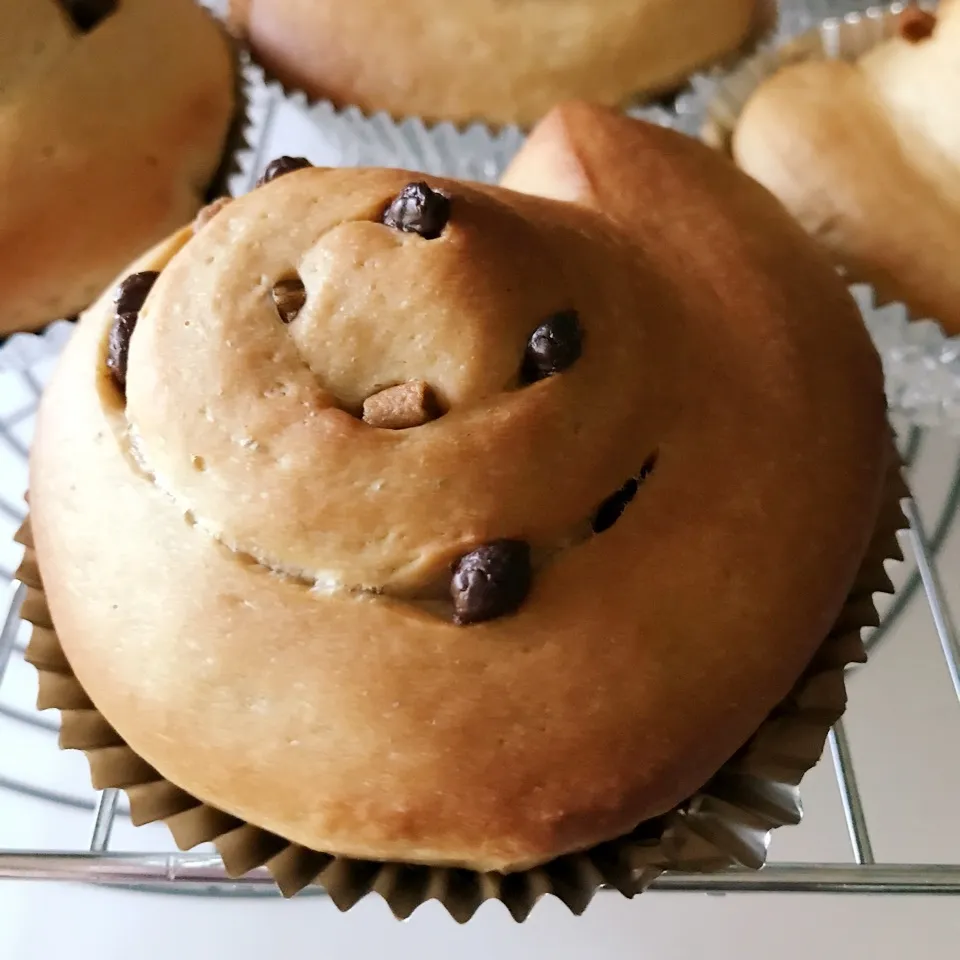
(254,584)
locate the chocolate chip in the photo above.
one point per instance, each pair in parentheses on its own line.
(289,296)
(649,465)
(283,165)
(611,510)
(419,209)
(128,299)
(132,292)
(553,347)
(916,24)
(118,348)
(86,14)
(491,581)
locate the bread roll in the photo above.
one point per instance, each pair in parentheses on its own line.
(866,155)
(113,117)
(485,59)
(552,600)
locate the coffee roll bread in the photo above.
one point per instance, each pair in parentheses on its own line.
(113,117)
(487,60)
(866,155)
(425,521)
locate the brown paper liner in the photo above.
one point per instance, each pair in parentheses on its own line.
(723,825)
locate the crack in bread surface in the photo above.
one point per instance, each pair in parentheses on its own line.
(431,599)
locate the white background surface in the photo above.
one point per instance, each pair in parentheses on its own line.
(904,723)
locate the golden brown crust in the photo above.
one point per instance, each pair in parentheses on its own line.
(108,141)
(485,59)
(207,213)
(867,157)
(643,658)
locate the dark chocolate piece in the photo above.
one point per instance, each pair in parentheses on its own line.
(289,296)
(128,300)
(118,348)
(86,14)
(916,24)
(553,347)
(132,292)
(281,166)
(419,209)
(611,510)
(491,581)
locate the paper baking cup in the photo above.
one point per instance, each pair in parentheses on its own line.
(348,136)
(725,824)
(921,363)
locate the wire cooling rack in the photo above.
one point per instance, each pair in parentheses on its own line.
(93,860)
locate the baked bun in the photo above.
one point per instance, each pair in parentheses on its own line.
(866,155)
(488,60)
(639,455)
(113,116)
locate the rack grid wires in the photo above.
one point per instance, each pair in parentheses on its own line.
(96,862)
(202,873)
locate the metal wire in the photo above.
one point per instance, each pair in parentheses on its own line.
(850,795)
(159,870)
(942,618)
(11,624)
(103,821)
